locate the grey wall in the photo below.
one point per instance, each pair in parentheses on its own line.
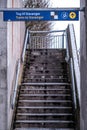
(15,41)
(11,44)
(83,38)
(3,71)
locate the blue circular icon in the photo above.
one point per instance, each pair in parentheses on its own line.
(64,15)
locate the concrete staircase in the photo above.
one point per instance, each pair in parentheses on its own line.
(45,98)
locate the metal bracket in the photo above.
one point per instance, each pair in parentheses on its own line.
(83,9)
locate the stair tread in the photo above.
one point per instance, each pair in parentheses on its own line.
(43,95)
(43,107)
(39,105)
(44,83)
(22,100)
(58,89)
(44,114)
(45,78)
(44,129)
(47,74)
(43,121)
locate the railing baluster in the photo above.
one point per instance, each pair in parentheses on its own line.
(56,41)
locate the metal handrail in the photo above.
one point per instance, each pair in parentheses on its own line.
(47,31)
(67,49)
(73,83)
(14,94)
(25,44)
(72,52)
(13,100)
(75,71)
(75,60)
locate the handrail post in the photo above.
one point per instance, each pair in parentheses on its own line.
(63,41)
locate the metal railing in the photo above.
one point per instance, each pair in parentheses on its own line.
(73,83)
(73,60)
(47,40)
(72,50)
(14,94)
(25,44)
(63,39)
(15,91)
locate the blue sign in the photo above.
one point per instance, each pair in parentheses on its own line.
(41,15)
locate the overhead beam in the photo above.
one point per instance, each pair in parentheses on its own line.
(39,9)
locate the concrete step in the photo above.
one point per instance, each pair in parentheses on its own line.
(44,114)
(45,124)
(43,121)
(43,77)
(45,96)
(46,84)
(44,80)
(47,87)
(42,91)
(41,104)
(45,100)
(48,75)
(44,129)
(41,116)
(46,109)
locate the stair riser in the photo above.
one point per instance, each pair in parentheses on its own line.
(45,125)
(46,104)
(44,117)
(46,75)
(44,80)
(44,91)
(44,110)
(26,73)
(47,87)
(43,98)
